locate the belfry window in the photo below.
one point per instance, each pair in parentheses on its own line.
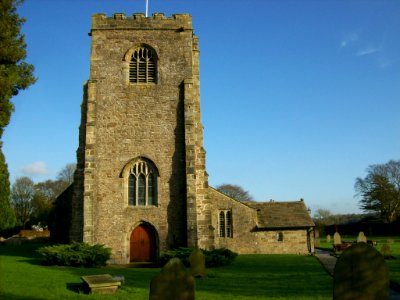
(142,184)
(143,66)
(225,223)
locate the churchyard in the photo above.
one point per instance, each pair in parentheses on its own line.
(391,242)
(249,277)
(23,276)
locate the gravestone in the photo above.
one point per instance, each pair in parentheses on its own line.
(316,238)
(361,273)
(100,284)
(337,240)
(328,238)
(197,263)
(361,237)
(173,282)
(386,251)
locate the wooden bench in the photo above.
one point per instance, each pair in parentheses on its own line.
(101,284)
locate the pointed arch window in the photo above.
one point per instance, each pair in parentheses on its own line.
(143,66)
(142,184)
(221,224)
(225,224)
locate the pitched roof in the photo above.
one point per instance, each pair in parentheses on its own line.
(281,214)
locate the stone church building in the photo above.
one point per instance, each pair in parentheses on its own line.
(141,185)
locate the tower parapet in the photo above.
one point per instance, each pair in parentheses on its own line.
(140,21)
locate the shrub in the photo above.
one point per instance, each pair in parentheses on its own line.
(214,258)
(76,254)
(219,257)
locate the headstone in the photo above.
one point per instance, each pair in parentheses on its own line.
(337,240)
(361,237)
(386,251)
(173,282)
(361,273)
(328,238)
(197,263)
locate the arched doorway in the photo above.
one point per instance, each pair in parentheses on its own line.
(142,244)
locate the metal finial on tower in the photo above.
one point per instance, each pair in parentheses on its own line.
(147,8)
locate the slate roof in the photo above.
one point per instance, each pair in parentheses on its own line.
(274,215)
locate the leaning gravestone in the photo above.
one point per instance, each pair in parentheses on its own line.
(361,273)
(173,282)
(361,237)
(197,263)
(337,240)
(328,238)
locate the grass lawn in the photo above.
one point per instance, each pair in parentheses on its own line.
(393,264)
(250,277)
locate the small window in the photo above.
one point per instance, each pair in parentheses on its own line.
(142,66)
(228,224)
(279,236)
(225,224)
(221,224)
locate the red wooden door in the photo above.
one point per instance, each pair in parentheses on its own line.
(142,244)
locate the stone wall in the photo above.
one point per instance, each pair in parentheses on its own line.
(247,238)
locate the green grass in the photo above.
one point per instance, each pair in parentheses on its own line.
(22,276)
(393,264)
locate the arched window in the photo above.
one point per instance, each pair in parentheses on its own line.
(142,184)
(143,66)
(228,224)
(221,224)
(279,236)
(225,224)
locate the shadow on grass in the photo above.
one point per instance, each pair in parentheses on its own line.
(75,287)
(9,296)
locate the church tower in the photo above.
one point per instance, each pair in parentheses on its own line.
(141,185)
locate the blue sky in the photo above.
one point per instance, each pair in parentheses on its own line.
(298,97)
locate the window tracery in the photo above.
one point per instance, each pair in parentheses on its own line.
(142,184)
(143,66)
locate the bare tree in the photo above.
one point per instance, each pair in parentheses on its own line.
(67,173)
(322,214)
(235,192)
(22,193)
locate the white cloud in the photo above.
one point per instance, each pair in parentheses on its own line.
(349,39)
(367,51)
(36,168)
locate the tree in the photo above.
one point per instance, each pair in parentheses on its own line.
(67,173)
(22,193)
(15,75)
(380,190)
(7,216)
(322,214)
(234,191)
(42,203)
